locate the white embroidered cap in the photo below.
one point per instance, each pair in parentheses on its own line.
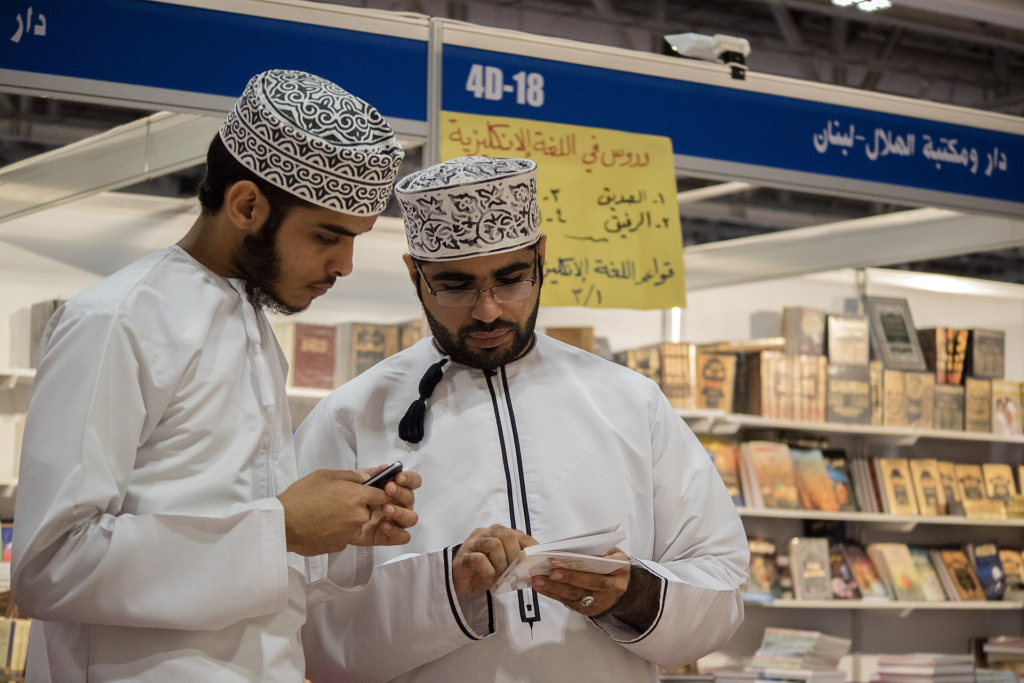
(313,139)
(470,206)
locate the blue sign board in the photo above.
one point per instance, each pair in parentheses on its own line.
(734,125)
(190,49)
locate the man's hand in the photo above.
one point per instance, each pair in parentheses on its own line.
(326,510)
(569,587)
(484,556)
(388,523)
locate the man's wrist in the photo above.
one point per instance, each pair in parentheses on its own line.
(638,606)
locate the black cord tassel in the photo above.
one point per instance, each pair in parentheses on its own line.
(411,427)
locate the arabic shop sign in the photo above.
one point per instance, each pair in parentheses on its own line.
(607,204)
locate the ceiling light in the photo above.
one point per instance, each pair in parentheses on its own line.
(864,5)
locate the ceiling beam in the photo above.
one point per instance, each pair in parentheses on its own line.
(888,239)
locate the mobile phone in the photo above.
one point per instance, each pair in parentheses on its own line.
(381,479)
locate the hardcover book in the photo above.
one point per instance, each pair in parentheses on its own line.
(930,583)
(970,482)
(811,387)
(999,484)
(920,388)
(809,562)
(895,398)
(762,578)
(726,455)
(773,470)
(1006,416)
(877,370)
(988,568)
(716,374)
(844,583)
(931,498)
(1012,567)
(898,486)
(986,354)
(978,416)
(309,350)
(842,480)
(868,580)
(950,488)
(949,407)
(893,335)
(945,353)
(897,568)
(847,341)
(679,375)
(849,394)
(411,332)
(804,331)
(813,483)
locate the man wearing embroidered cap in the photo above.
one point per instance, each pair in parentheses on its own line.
(161,530)
(519,437)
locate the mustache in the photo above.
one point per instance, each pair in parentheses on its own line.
(492,326)
(329,282)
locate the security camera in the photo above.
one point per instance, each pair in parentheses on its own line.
(717,48)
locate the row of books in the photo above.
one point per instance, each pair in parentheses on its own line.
(768,474)
(815,569)
(14,644)
(928,668)
(327,356)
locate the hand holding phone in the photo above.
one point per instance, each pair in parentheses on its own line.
(381,479)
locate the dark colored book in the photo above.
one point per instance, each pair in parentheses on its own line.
(950,402)
(986,354)
(804,330)
(988,568)
(945,353)
(844,583)
(838,468)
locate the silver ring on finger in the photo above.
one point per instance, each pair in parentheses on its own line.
(587,600)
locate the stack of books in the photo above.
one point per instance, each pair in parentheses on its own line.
(994,676)
(792,655)
(926,668)
(1005,653)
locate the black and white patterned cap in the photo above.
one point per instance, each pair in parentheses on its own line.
(470,206)
(313,139)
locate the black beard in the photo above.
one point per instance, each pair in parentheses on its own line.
(259,263)
(455,345)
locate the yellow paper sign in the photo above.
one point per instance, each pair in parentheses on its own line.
(607,204)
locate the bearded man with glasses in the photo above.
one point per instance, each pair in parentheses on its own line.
(525,438)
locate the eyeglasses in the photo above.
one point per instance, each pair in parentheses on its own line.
(503,294)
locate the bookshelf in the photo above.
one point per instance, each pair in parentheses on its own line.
(903,605)
(15,377)
(899,522)
(719,423)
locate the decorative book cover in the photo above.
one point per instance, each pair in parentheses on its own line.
(804,330)
(726,455)
(844,583)
(931,497)
(1012,567)
(970,482)
(1006,418)
(920,387)
(898,486)
(782,390)
(877,370)
(950,488)
(679,374)
(847,341)
(999,484)
(774,470)
(645,360)
(314,356)
(985,509)
(360,346)
(809,561)
(894,401)
(870,583)
(409,333)
(813,483)
(812,387)
(842,481)
(762,578)
(986,355)
(945,352)
(949,407)
(899,568)
(930,583)
(849,394)
(978,416)
(716,374)
(988,568)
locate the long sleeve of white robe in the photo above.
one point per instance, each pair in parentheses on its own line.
(406,625)
(76,558)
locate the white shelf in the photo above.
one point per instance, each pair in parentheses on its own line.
(722,423)
(901,521)
(12,377)
(970,605)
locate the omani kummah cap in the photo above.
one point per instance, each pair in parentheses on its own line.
(471,206)
(309,137)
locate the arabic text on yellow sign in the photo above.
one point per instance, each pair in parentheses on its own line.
(607,203)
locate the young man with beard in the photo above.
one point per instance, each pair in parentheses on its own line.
(519,437)
(161,533)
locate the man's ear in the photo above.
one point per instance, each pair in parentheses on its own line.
(246,207)
(411,265)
